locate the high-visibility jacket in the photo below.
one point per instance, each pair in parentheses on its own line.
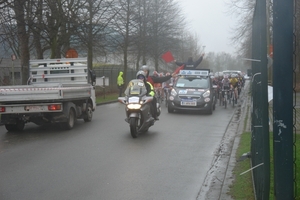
(150,89)
(120,80)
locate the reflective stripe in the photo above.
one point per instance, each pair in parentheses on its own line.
(152,89)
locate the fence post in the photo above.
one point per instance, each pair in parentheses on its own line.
(103,87)
(283,98)
(260,146)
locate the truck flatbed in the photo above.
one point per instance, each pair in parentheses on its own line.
(42,92)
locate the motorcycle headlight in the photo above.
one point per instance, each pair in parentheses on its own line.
(134,106)
(206,94)
(173,92)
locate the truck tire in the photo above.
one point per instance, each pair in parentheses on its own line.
(69,124)
(19,126)
(88,115)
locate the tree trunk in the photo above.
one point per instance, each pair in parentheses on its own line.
(19,7)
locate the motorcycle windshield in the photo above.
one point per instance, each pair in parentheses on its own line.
(136,87)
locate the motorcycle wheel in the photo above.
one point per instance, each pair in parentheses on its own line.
(133,123)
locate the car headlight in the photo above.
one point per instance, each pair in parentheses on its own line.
(206,94)
(134,106)
(173,92)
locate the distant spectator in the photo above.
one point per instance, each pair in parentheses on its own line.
(120,83)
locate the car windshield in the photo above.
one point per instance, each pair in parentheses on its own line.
(136,87)
(185,82)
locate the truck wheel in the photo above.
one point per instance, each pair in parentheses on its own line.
(88,113)
(19,126)
(70,121)
(10,127)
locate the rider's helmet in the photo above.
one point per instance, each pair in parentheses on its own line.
(212,77)
(141,75)
(145,68)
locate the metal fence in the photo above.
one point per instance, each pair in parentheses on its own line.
(10,76)
(284,131)
(110,74)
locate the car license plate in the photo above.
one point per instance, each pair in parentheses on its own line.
(33,108)
(188,103)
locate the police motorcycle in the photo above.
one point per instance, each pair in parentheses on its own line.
(138,107)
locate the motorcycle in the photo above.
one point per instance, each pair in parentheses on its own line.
(138,107)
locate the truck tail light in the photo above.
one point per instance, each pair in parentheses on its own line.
(54,107)
(2,109)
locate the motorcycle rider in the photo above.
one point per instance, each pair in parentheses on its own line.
(150,92)
(155,79)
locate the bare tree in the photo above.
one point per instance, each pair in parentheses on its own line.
(243,11)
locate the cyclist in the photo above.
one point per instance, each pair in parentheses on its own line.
(234,85)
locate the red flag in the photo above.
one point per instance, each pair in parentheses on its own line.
(168,57)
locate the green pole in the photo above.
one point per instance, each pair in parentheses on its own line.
(283,99)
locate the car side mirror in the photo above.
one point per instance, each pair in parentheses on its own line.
(93,77)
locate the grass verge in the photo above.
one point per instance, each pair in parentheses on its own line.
(107,97)
(242,187)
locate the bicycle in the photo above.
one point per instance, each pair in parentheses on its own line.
(233,96)
(158,95)
(225,96)
(167,94)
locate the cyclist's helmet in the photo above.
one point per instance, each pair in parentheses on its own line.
(141,75)
(145,68)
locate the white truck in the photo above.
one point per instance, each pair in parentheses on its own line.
(58,91)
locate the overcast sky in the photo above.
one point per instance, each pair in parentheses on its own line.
(210,21)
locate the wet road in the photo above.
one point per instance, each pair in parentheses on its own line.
(100,160)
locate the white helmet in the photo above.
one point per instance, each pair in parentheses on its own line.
(140,73)
(145,68)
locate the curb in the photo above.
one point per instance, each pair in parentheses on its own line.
(229,178)
(219,177)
